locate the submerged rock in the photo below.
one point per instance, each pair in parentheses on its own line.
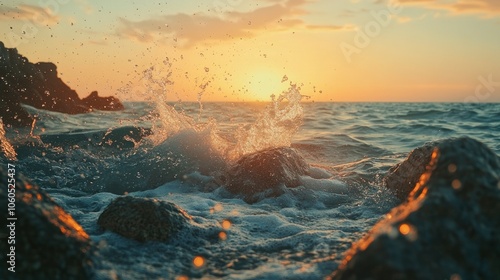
(265,173)
(447,229)
(403,177)
(143,219)
(49,243)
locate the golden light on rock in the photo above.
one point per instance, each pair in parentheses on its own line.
(456,184)
(226,224)
(182,277)
(198,261)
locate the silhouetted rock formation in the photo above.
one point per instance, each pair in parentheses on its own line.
(49,243)
(93,101)
(265,173)
(143,219)
(39,86)
(449,227)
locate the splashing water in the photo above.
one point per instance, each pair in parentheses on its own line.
(274,127)
(7,148)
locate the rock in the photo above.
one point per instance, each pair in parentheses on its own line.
(403,177)
(143,219)
(49,243)
(38,85)
(93,101)
(264,173)
(447,229)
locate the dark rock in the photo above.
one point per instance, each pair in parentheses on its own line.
(143,219)
(49,243)
(447,229)
(264,173)
(110,103)
(403,177)
(39,86)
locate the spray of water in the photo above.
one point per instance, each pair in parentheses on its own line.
(274,127)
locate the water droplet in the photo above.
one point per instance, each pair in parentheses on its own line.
(456,184)
(408,231)
(452,168)
(198,261)
(207,69)
(222,235)
(226,224)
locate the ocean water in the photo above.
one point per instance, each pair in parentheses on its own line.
(85,161)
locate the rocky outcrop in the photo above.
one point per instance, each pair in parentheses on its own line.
(447,229)
(403,177)
(49,243)
(143,219)
(265,173)
(38,85)
(110,103)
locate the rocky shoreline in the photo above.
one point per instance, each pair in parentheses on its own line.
(445,227)
(38,85)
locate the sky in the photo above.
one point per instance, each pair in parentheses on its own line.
(236,50)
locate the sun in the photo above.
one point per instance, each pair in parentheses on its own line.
(262,84)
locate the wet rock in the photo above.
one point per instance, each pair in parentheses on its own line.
(403,177)
(38,85)
(143,219)
(49,243)
(265,173)
(110,103)
(447,229)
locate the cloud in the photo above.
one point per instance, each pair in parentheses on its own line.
(190,29)
(485,8)
(35,14)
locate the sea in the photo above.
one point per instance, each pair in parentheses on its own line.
(85,161)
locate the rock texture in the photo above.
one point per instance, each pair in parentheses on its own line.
(143,219)
(38,85)
(449,227)
(49,243)
(264,173)
(403,177)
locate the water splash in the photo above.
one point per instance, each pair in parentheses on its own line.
(157,82)
(7,148)
(274,127)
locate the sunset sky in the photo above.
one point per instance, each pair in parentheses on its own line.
(235,50)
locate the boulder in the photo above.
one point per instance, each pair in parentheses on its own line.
(143,219)
(49,243)
(38,85)
(402,178)
(110,103)
(265,173)
(447,229)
